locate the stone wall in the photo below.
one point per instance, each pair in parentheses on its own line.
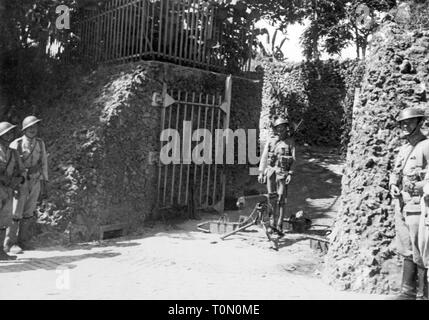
(362,255)
(100,133)
(320,93)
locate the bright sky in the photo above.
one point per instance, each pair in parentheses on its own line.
(292,48)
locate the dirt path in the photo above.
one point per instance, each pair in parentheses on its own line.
(179,262)
(175,264)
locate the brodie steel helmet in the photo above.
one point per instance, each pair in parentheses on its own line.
(29,121)
(5,127)
(280,121)
(411,113)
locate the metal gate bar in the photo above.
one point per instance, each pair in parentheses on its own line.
(207,181)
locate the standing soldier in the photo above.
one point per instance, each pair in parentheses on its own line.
(276,170)
(10,179)
(406,185)
(32,153)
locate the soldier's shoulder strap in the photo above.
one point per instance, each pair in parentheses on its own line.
(20,151)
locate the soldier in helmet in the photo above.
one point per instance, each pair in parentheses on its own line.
(406,185)
(10,179)
(276,171)
(32,154)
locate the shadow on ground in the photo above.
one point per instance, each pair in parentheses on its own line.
(51,263)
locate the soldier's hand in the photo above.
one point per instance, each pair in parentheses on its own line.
(394,190)
(262,179)
(288,179)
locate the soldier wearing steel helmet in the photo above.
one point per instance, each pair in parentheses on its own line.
(10,179)
(406,185)
(276,169)
(32,154)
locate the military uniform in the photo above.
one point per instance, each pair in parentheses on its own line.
(9,180)
(8,163)
(32,153)
(409,175)
(276,164)
(33,161)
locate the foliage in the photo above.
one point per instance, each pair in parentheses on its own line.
(333,24)
(26,30)
(274,50)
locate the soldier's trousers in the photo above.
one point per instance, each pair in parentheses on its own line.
(423,238)
(407,234)
(25,203)
(278,186)
(5,207)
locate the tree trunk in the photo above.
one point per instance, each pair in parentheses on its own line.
(357,42)
(315,40)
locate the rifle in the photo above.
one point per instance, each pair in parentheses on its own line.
(295,131)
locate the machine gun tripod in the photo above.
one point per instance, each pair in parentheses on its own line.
(261,204)
(261,210)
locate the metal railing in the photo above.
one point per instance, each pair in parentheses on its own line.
(185,32)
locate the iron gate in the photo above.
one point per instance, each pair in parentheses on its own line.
(180,183)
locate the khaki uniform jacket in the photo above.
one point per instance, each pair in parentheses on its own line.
(411,176)
(272,152)
(8,163)
(31,151)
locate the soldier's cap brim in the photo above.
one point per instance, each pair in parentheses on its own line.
(7,130)
(31,124)
(411,117)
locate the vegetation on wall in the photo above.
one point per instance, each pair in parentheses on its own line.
(319,93)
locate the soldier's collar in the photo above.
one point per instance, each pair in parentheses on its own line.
(24,137)
(415,139)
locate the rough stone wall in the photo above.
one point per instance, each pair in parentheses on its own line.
(320,93)
(100,133)
(362,255)
(245,113)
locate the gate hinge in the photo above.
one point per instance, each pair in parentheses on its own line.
(159,101)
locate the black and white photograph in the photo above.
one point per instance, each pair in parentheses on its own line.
(214,154)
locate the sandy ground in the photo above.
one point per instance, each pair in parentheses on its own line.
(174,264)
(178,262)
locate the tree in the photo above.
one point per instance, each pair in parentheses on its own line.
(270,49)
(333,24)
(357,22)
(24,36)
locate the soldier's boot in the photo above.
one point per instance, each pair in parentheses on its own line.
(10,244)
(409,281)
(3,255)
(272,225)
(24,234)
(422,284)
(280,219)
